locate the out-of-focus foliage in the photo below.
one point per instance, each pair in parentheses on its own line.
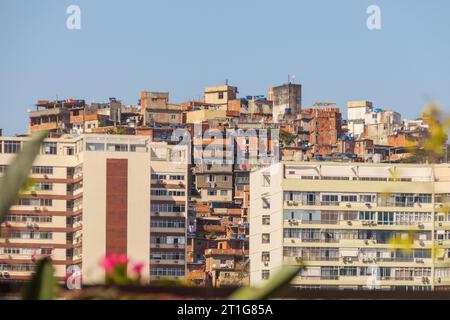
(433,149)
(43,284)
(15,178)
(405,244)
(276,283)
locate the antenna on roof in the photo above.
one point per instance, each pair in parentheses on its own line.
(226,82)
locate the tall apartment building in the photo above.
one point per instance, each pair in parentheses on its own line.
(325,128)
(287,100)
(94,195)
(353,226)
(46,220)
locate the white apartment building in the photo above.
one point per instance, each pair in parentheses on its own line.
(94,195)
(355,226)
(376,124)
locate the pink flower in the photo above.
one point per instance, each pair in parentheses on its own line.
(122,259)
(109,262)
(112,260)
(137,268)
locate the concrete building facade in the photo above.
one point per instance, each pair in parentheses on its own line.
(354,226)
(95,195)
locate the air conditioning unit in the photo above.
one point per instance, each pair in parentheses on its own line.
(157,261)
(349,222)
(290,203)
(157,246)
(366,242)
(440,224)
(419,260)
(440,242)
(295,203)
(266,264)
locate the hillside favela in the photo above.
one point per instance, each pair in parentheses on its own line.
(227,190)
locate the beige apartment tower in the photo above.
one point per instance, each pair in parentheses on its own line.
(353,226)
(94,195)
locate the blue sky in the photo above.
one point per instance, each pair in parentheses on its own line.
(124,47)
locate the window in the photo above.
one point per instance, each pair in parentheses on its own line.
(265,238)
(158,176)
(225,178)
(167,207)
(366,216)
(173,116)
(212,192)
(211,178)
(349,198)
(43,186)
(220,95)
(42,170)
(49,148)
(120,148)
(386,218)
(329,273)
(11,146)
(176,193)
(69,151)
(167,223)
(330,199)
(348,272)
(265,256)
(95,146)
(266,220)
(367,198)
(265,274)
(176,177)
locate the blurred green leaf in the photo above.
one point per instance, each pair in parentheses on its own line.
(279,281)
(43,283)
(17,173)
